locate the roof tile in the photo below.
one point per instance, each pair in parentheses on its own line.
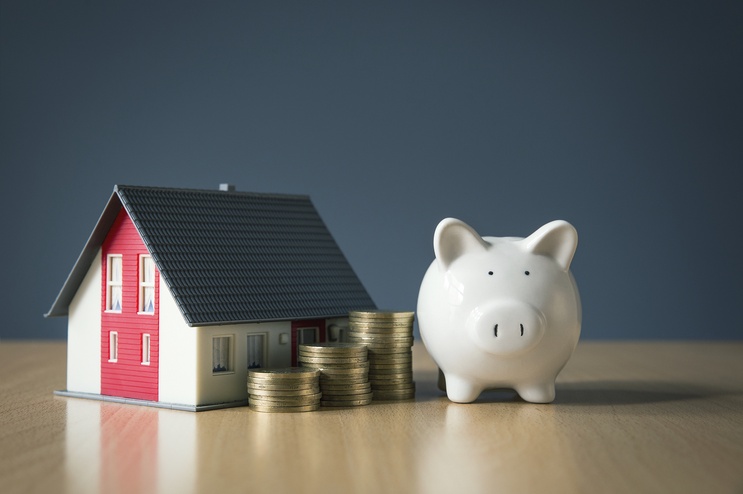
(231,257)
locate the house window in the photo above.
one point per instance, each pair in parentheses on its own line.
(222,354)
(307,335)
(146,285)
(113,283)
(256,351)
(145,349)
(113,346)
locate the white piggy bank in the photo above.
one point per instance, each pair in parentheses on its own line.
(500,312)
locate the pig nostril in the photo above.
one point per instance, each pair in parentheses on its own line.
(495,330)
(522,329)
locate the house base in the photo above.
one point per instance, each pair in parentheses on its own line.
(147,403)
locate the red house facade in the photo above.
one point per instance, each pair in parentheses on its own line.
(130,286)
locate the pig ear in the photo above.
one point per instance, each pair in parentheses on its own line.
(557,239)
(454,238)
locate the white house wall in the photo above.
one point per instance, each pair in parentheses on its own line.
(185,368)
(84,334)
(177,367)
(232,386)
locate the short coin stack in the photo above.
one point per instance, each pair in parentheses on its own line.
(292,389)
(344,372)
(389,338)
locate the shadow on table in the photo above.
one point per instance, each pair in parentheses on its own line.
(596,393)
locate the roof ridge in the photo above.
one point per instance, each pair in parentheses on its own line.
(119,187)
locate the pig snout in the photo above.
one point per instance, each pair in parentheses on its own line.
(505,327)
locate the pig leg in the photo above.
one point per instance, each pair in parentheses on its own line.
(461,390)
(442,381)
(543,392)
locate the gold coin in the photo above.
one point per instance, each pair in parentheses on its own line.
(397,379)
(388,345)
(371,332)
(341,371)
(383,317)
(392,374)
(331,360)
(334,388)
(395,369)
(331,348)
(388,352)
(328,395)
(273,409)
(340,380)
(387,360)
(360,335)
(374,342)
(283,386)
(271,397)
(283,392)
(410,385)
(381,325)
(381,314)
(382,364)
(288,374)
(284,401)
(335,359)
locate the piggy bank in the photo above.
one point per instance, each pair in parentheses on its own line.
(500,312)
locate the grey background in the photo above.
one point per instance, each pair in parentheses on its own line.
(623,118)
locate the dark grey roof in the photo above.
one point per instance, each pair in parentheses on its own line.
(230,257)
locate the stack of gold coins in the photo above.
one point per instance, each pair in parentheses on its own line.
(389,338)
(284,390)
(344,372)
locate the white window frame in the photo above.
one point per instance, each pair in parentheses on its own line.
(111,284)
(220,354)
(144,285)
(300,336)
(146,349)
(113,346)
(301,331)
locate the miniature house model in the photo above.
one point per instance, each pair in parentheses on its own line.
(178,292)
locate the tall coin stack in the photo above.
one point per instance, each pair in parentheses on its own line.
(344,372)
(389,338)
(284,390)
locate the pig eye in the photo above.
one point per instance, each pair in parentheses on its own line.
(526,273)
(490,273)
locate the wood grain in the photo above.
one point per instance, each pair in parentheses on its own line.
(629,417)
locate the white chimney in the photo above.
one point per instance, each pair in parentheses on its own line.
(227,187)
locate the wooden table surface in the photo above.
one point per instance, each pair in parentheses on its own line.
(629,417)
